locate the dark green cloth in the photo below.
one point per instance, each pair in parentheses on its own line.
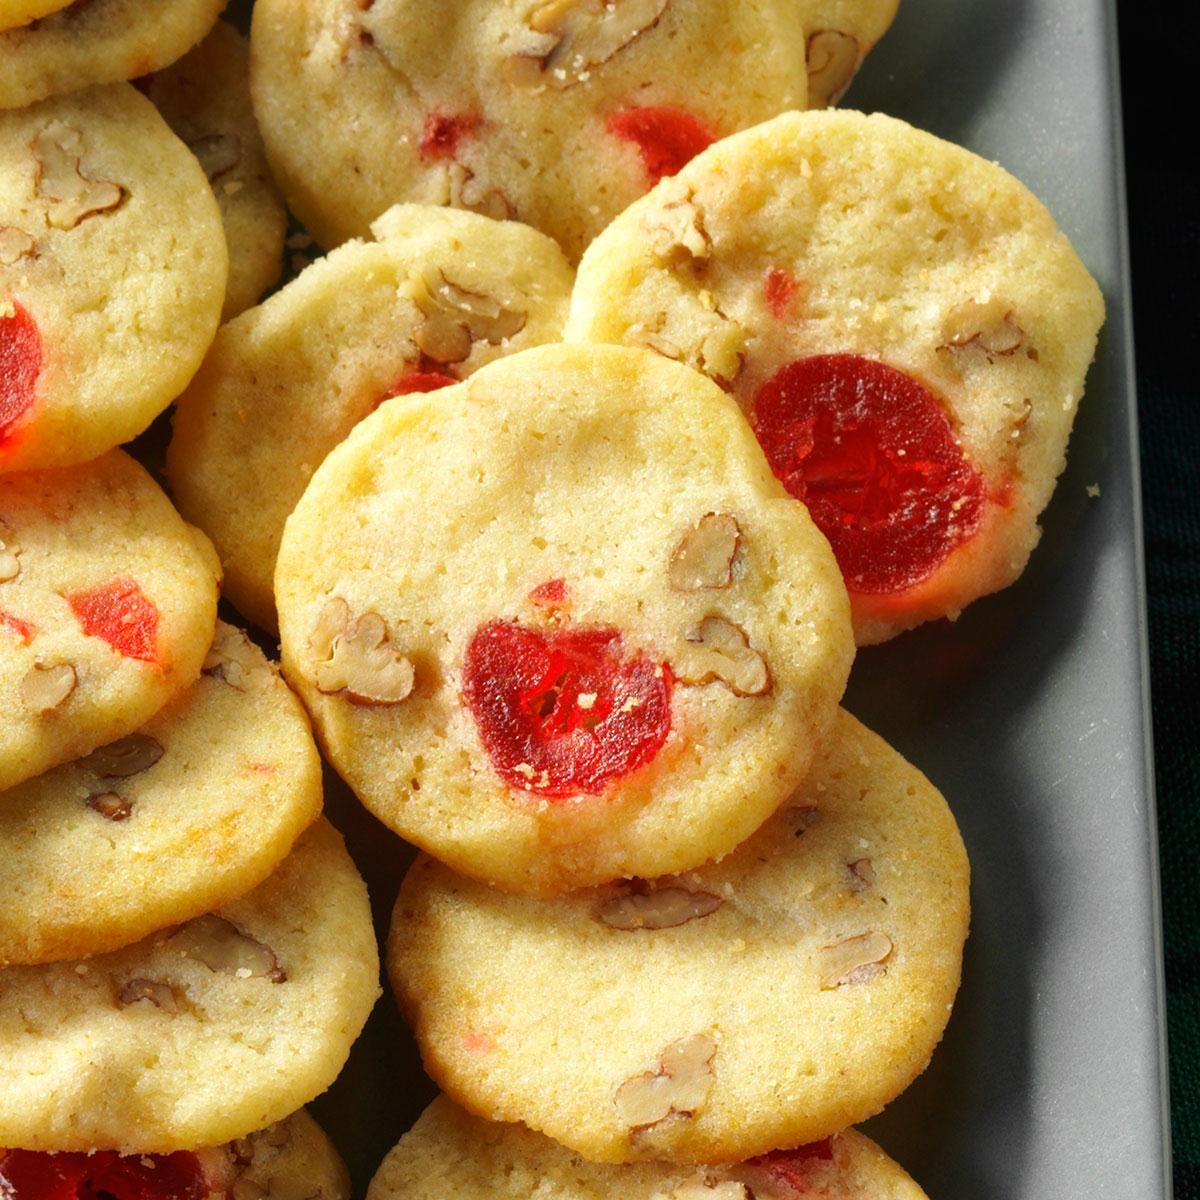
(1158,52)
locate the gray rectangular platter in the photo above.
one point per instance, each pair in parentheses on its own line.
(1030,713)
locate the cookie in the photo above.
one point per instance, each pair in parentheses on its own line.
(112,274)
(290,1160)
(96,41)
(450,1153)
(559,624)
(769,1000)
(198,1035)
(218,785)
(205,98)
(438,294)
(15,13)
(107,609)
(902,322)
(557,113)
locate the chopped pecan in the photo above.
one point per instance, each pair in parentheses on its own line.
(161,995)
(48,687)
(986,325)
(704,557)
(719,651)
(832,60)
(853,959)
(224,948)
(455,318)
(128,756)
(356,659)
(680,1084)
(631,907)
(74,196)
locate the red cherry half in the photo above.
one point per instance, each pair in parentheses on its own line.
(443,132)
(419,381)
(122,614)
(667,138)
(30,1175)
(20,363)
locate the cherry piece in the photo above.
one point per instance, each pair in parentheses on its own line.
(780,290)
(667,138)
(443,132)
(20,363)
(120,613)
(551,594)
(793,1170)
(419,381)
(22,629)
(564,713)
(872,453)
(106,1175)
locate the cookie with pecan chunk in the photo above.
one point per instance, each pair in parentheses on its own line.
(112,274)
(557,113)
(450,1152)
(435,296)
(767,1000)
(901,321)
(107,608)
(198,1034)
(558,623)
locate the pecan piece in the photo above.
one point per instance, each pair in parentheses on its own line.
(74,196)
(217,152)
(853,959)
(120,759)
(663,908)
(356,659)
(704,557)
(986,325)
(232,659)
(47,688)
(680,1085)
(10,564)
(224,948)
(718,651)
(455,318)
(832,59)
(161,995)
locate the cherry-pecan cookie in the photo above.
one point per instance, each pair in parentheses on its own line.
(559,623)
(437,295)
(205,98)
(95,41)
(448,1152)
(199,1034)
(553,112)
(107,608)
(290,1160)
(112,274)
(769,1000)
(219,784)
(904,325)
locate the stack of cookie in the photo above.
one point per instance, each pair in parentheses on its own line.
(567,569)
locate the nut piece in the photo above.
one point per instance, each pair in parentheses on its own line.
(719,652)
(161,995)
(10,566)
(862,874)
(697,333)
(570,37)
(801,817)
(75,197)
(703,1189)
(233,660)
(14,244)
(473,194)
(46,688)
(985,325)
(853,959)
(217,152)
(680,1085)
(832,59)
(456,318)
(110,805)
(357,660)
(128,756)
(222,947)
(705,554)
(676,223)
(664,908)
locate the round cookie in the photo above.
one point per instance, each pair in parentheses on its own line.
(556,633)
(769,1000)
(112,274)
(437,295)
(557,113)
(198,1035)
(97,41)
(218,785)
(107,608)
(903,323)
(205,98)
(290,1160)
(450,1153)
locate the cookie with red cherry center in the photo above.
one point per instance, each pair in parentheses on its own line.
(557,113)
(86,42)
(107,608)
(112,274)
(437,294)
(219,784)
(200,1033)
(205,98)
(559,623)
(290,1160)
(450,1152)
(771,999)
(903,324)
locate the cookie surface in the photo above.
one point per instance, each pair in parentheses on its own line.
(903,323)
(15,13)
(450,1153)
(97,41)
(218,785)
(542,625)
(439,294)
(107,609)
(200,1035)
(556,113)
(205,98)
(109,238)
(770,1000)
